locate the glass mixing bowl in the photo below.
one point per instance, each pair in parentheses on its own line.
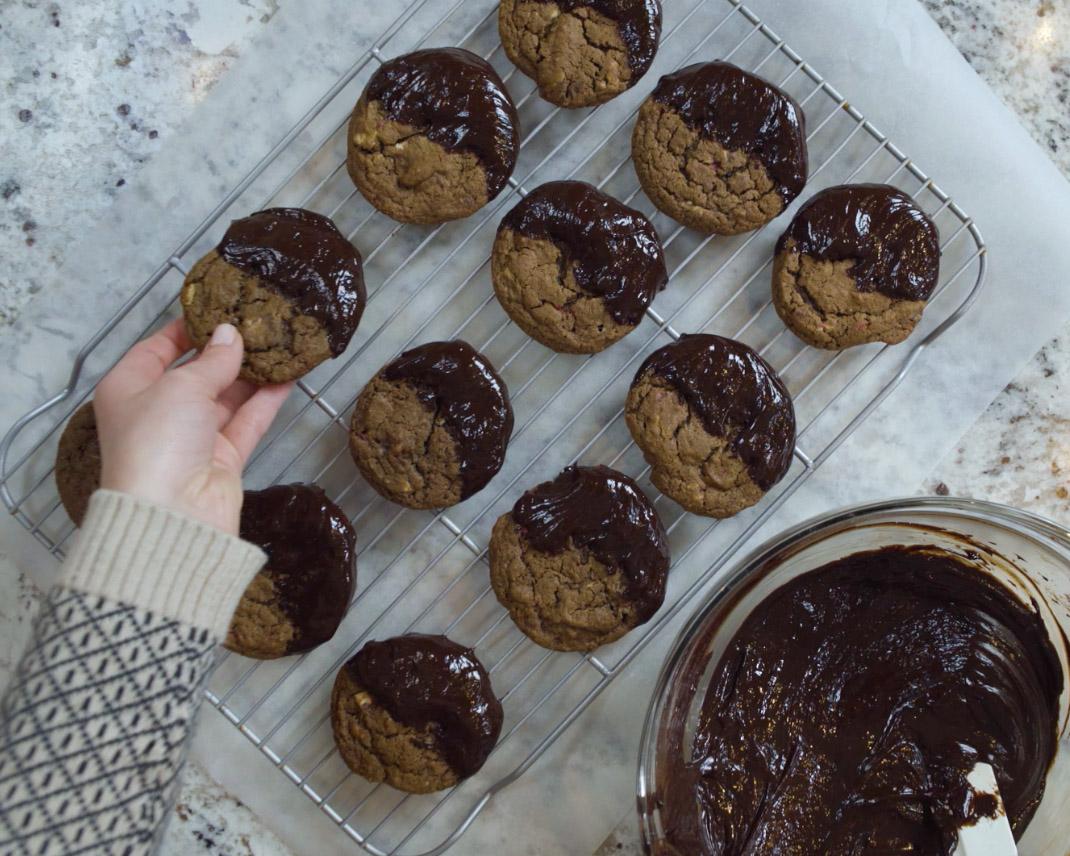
(1029,554)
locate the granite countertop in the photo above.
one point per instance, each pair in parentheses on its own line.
(93,88)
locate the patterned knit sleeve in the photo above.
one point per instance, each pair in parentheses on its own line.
(94,727)
(96,721)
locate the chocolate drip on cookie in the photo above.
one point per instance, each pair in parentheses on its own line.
(614,251)
(604,511)
(638,22)
(737,395)
(453,378)
(742,112)
(455,99)
(849,707)
(303,256)
(430,681)
(893,244)
(311,548)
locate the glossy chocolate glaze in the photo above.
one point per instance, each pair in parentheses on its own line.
(432,681)
(303,256)
(455,380)
(613,249)
(311,554)
(639,25)
(743,112)
(846,712)
(736,394)
(604,511)
(455,99)
(894,246)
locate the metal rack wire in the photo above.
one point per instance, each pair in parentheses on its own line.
(425,571)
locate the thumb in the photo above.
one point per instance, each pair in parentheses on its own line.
(217,366)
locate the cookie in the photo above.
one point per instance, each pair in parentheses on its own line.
(301,595)
(856,265)
(719,149)
(431,428)
(714,421)
(575,268)
(581,52)
(434,136)
(580,560)
(417,712)
(289,281)
(77,467)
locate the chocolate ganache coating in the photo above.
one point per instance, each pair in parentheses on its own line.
(737,395)
(432,681)
(614,250)
(638,22)
(894,245)
(604,511)
(455,379)
(303,256)
(742,112)
(311,550)
(455,99)
(851,704)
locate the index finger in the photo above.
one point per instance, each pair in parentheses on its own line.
(145,363)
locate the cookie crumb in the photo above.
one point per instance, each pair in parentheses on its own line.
(25,115)
(941,489)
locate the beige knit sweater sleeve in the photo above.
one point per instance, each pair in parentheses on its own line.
(95,723)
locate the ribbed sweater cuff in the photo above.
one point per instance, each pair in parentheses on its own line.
(136,552)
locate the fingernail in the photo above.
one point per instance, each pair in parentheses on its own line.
(224,334)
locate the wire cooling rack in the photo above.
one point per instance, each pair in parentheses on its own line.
(420,571)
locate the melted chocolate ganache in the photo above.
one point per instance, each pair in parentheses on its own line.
(431,681)
(455,99)
(604,511)
(303,256)
(894,246)
(614,251)
(848,709)
(742,112)
(311,550)
(737,395)
(455,380)
(639,25)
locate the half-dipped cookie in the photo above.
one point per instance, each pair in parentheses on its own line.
(434,136)
(417,712)
(581,52)
(714,421)
(301,595)
(580,560)
(289,281)
(856,265)
(719,149)
(77,469)
(575,268)
(431,427)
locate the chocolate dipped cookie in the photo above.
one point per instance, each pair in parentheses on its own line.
(431,427)
(301,595)
(714,421)
(289,281)
(719,149)
(580,560)
(581,52)
(417,712)
(856,265)
(575,268)
(77,469)
(433,137)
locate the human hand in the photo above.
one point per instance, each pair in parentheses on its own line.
(180,436)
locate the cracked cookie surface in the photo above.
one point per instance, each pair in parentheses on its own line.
(281,343)
(580,53)
(77,469)
(718,149)
(433,137)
